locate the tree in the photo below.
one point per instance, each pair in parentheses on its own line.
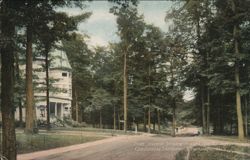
(237,74)
(79,56)
(43,15)
(50,34)
(7,79)
(129,25)
(217,46)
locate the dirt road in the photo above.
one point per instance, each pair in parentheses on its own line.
(143,147)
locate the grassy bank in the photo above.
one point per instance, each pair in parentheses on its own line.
(43,141)
(223,152)
(230,139)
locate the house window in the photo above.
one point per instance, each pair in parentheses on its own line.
(64,74)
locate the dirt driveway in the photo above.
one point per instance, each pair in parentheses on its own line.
(133,147)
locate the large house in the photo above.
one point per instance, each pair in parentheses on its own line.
(60,74)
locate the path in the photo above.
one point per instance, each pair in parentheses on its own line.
(143,147)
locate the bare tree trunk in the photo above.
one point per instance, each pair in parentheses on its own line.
(173,100)
(149,119)
(149,90)
(76,106)
(144,120)
(80,116)
(208,111)
(174,119)
(114,118)
(119,125)
(198,34)
(30,117)
(47,86)
(155,115)
(125,90)
(246,116)
(237,77)
(204,126)
(159,121)
(221,118)
(7,88)
(20,113)
(101,119)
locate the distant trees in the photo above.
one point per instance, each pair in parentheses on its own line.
(218,59)
(145,55)
(130,27)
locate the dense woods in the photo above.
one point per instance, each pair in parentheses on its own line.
(141,80)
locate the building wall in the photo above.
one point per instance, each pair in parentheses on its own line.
(60,95)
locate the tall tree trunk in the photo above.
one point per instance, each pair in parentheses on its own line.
(173,99)
(221,118)
(119,123)
(208,111)
(100,118)
(76,106)
(18,81)
(149,103)
(155,115)
(125,90)
(20,107)
(7,87)
(47,86)
(144,120)
(149,119)
(208,91)
(198,44)
(80,117)
(114,127)
(174,119)
(30,117)
(237,76)
(204,126)
(159,121)
(246,115)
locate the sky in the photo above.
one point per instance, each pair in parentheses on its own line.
(101,26)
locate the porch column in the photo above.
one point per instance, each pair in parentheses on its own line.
(55,109)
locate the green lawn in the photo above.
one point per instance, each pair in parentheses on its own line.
(219,152)
(230,139)
(43,141)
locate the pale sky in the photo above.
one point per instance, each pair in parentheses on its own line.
(102,28)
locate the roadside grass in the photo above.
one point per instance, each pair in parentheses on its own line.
(109,132)
(224,152)
(204,154)
(229,139)
(44,141)
(61,137)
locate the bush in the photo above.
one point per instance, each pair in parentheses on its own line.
(70,122)
(181,155)
(19,124)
